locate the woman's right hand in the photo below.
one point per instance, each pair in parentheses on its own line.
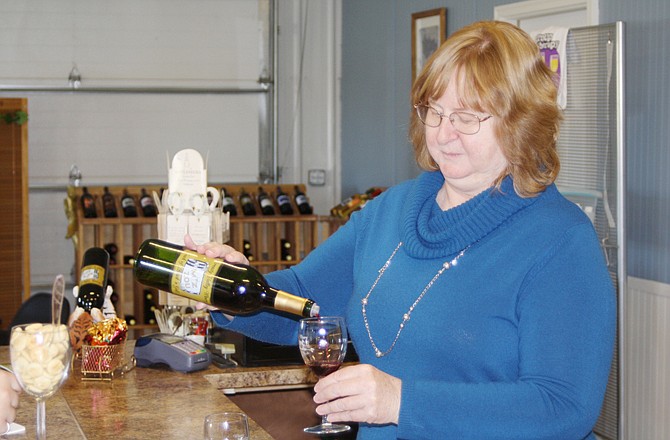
(216,250)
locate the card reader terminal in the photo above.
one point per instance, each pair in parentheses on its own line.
(174,351)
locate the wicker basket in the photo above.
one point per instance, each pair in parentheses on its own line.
(100,362)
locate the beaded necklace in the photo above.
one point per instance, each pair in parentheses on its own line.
(406,316)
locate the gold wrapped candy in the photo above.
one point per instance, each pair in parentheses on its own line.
(108,332)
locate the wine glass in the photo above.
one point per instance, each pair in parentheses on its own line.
(41,355)
(323,344)
(226,426)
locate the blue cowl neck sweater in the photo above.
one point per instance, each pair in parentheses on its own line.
(513,342)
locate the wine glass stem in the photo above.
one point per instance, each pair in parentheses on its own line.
(41,420)
(324,421)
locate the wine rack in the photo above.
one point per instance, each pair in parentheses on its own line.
(272,241)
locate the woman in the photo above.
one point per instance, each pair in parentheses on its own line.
(476,296)
(9,399)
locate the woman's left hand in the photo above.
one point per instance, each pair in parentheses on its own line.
(360,393)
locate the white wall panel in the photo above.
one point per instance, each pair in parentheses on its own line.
(216,40)
(124,138)
(647,360)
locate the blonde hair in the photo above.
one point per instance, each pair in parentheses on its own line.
(501,73)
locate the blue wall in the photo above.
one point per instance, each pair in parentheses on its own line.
(375,107)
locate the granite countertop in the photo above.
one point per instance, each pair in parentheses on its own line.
(151,403)
(268,378)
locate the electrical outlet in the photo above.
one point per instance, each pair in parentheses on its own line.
(316,177)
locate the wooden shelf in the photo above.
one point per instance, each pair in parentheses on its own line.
(15,231)
(265,233)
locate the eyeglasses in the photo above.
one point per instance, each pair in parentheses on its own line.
(463,122)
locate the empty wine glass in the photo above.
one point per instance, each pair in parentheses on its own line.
(226,426)
(323,345)
(41,355)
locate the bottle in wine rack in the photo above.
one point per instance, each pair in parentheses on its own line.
(285,246)
(246,250)
(112,249)
(233,288)
(108,204)
(147,204)
(247,203)
(88,204)
(149,307)
(284,202)
(93,279)
(228,203)
(130,320)
(128,205)
(267,208)
(301,202)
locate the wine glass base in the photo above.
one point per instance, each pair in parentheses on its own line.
(327,429)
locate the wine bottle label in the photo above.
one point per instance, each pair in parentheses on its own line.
(193,277)
(146,201)
(265,202)
(92,274)
(283,199)
(300,199)
(228,201)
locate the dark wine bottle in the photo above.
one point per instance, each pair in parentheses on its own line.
(88,204)
(247,203)
(130,320)
(112,249)
(246,250)
(108,204)
(228,203)
(301,201)
(267,208)
(233,288)
(147,204)
(128,205)
(149,307)
(284,202)
(286,250)
(93,279)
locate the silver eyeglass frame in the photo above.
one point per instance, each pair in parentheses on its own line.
(451,118)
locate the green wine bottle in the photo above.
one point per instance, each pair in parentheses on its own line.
(233,288)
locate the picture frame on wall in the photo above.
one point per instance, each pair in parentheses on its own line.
(429,30)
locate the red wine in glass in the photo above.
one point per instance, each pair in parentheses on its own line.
(323,345)
(324,369)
